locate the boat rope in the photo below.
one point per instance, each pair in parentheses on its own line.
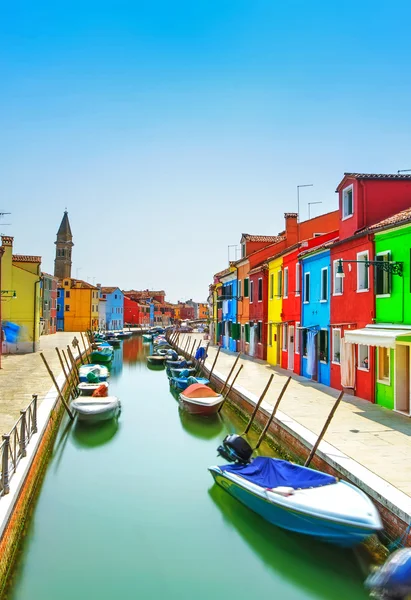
(400,541)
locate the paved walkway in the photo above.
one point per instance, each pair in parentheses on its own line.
(377,438)
(22,375)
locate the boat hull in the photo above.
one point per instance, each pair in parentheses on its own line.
(96,411)
(87,389)
(156,360)
(199,409)
(101,357)
(340,534)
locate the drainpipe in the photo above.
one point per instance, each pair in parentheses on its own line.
(34,314)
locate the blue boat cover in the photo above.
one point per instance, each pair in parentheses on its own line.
(201,353)
(273,472)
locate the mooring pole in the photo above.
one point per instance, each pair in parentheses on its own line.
(205,356)
(76,345)
(214,363)
(230,388)
(276,405)
(50,372)
(68,381)
(231,372)
(85,347)
(192,348)
(257,406)
(70,368)
(324,429)
(72,360)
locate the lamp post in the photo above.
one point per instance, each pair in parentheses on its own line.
(394,267)
(309,211)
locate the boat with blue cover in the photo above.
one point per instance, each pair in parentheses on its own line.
(302,500)
(181,383)
(103,353)
(93,373)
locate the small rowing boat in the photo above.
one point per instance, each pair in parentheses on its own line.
(200,399)
(87,389)
(95,410)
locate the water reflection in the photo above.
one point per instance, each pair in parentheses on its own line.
(92,435)
(134,350)
(205,428)
(297,558)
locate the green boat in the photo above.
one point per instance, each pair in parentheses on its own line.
(103,354)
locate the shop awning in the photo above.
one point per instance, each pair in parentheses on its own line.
(369,336)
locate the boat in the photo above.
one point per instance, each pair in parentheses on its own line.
(200,399)
(95,410)
(103,353)
(147,337)
(301,499)
(114,340)
(181,383)
(87,389)
(124,334)
(156,359)
(182,371)
(180,363)
(93,373)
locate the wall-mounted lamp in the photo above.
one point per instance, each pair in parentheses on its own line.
(393,267)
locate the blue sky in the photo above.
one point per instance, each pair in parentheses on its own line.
(168,128)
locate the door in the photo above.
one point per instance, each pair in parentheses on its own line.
(402,378)
(278,345)
(291,347)
(242,341)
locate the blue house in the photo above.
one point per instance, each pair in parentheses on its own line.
(114,298)
(60,309)
(230,328)
(315,315)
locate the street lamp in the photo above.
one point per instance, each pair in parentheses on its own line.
(309,211)
(392,266)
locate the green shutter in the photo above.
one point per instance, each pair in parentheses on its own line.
(246,287)
(247,332)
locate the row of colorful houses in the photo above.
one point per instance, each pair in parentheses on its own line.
(329,298)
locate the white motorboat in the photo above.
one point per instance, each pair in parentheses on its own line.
(87,389)
(94,410)
(87,372)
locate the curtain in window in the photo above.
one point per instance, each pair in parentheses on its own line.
(311,358)
(251,349)
(347,364)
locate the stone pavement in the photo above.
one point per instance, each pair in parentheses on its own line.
(375,437)
(22,375)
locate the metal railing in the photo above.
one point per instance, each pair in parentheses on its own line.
(14,445)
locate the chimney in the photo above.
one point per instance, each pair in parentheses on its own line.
(291,228)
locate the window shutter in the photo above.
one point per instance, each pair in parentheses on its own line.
(247,332)
(246,287)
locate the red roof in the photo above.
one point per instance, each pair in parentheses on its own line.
(25,258)
(398,219)
(108,290)
(269,239)
(226,271)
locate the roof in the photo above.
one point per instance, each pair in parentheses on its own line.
(377,176)
(44,274)
(26,258)
(226,271)
(269,239)
(65,229)
(260,267)
(323,246)
(84,284)
(398,219)
(109,290)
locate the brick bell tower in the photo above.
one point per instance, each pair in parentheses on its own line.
(64,244)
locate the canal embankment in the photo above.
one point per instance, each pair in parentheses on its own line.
(30,414)
(364,444)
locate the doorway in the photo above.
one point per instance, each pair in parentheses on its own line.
(291,347)
(402,378)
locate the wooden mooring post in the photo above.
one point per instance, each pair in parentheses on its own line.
(70,369)
(276,405)
(257,406)
(68,379)
(231,372)
(230,388)
(50,372)
(85,348)
(214,363)
(324,429)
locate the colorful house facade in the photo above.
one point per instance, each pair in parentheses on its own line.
(20,299)
(274,308)
(230,331)
(48,319)
(114,307)
(81,305)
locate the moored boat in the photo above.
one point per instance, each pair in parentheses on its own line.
(200,399)
(147,337)
(93,373)
(87,389)
(302,500)
(95,410)
(182,371)
(156,359)
(181,383)
(102,354)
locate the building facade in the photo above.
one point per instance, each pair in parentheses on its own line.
(114,307)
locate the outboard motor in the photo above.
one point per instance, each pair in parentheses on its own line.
(235,449)
(392,581)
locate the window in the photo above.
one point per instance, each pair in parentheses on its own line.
(337,346)
(337,281)
(305,336)
(384,365)
(259,331)
(306,288)
(270,334)
(347,202)
(362,272)
(58,307)
(67,308)
(243,250)
(285,336)
(58,293)
(260,289)
(286,282)
(115,296)
(67,294)
(246,285)
(323,345)
(279,283)
(239,288)
(324,284)
(363,354)
(251,290)
(271,286)
(317,235)
(297,337)
(297,279)
(382,277)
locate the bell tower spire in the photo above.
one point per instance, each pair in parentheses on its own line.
(64,244)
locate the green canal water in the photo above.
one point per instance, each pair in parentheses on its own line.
(128,510)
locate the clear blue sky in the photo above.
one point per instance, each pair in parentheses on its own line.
(168,128)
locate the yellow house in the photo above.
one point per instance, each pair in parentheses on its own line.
(275,305)
(20,299)
(81,301)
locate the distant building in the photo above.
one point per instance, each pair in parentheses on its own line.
(81,305)
(64,244)
(48,286)
(114,307)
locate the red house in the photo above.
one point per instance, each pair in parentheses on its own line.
(363,200)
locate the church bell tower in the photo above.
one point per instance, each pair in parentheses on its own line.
(64,244)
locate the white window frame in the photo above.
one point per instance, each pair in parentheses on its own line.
(285,280)
(360,259)
(344,216)
(335,362)
(359,367)
(307,287)
(384,381)
(335,278)
(284,332)
(322,299)
(297,338)
(239,287)
(258,289)
(271,283)
(279,283)
(297,278)
(251,290)
(324,362)
(270,334)
(384,253)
